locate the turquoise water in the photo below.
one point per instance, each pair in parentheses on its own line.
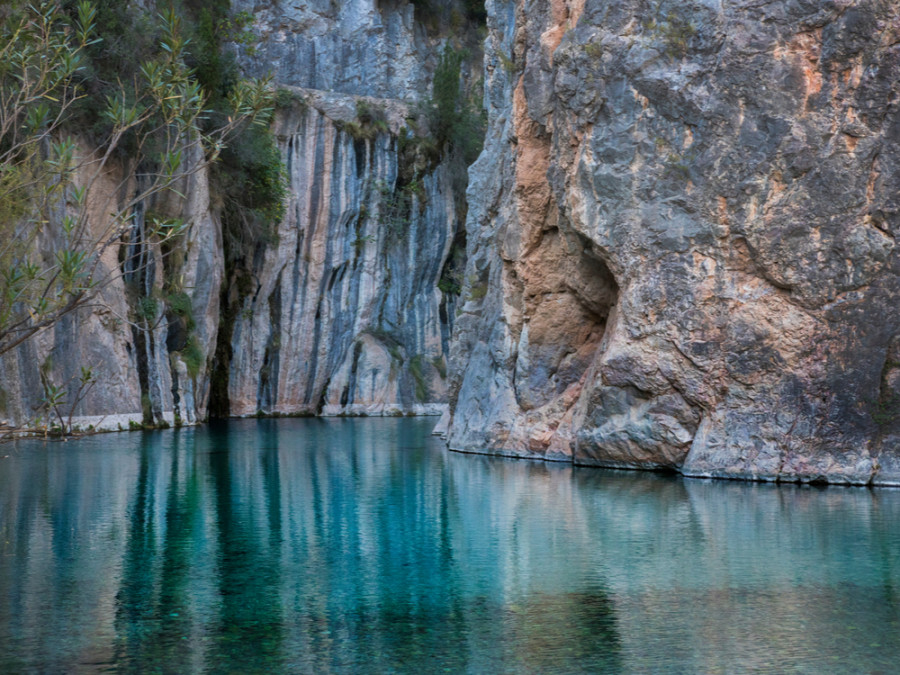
(357,546)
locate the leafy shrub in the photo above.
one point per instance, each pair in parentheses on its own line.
(417,371)
(507,61)
(192,356)
(478,291)
(370,121)
(455,117)
(440,365)
(70,67)
(147,308)
(396,205)
(675,32)
(594,50)
(179,303)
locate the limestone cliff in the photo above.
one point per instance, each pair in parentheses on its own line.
(123,337)
(344,315)
(339,312)
(680,244)
(682,240)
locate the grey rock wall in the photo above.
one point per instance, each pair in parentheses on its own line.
(360,47)
(344,314)
(725,176)
(140,374)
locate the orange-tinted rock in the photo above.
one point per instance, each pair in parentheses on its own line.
(720,234)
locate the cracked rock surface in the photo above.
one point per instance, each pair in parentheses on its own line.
(682,240)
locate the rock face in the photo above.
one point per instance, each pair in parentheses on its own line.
(342,314)
(682,240)
(362,47)
(680,245)
(133,347)
(345,316)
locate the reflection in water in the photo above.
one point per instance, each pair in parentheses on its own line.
(362,546)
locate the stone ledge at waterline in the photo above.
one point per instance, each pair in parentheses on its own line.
(682,240)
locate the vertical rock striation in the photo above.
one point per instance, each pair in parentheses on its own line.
(344,315)
(359,47)
(682,240)
(340,312)
(133,345)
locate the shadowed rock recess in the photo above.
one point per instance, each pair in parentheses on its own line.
(681,240)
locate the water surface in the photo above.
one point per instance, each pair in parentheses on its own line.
(356,546)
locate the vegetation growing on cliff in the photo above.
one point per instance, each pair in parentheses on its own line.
(148,122)
(370,121)
(250,177)
(437,16)
(455,115)
(458,121)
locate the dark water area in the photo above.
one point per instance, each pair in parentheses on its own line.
(363,546)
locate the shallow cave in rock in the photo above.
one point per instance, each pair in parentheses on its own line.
(564,324)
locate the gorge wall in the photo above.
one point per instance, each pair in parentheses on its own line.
(680,244)
(344,314)
(681,240)
(336,312)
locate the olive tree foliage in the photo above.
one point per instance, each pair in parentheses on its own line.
(156,128)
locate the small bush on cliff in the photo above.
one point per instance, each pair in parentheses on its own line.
(453,129)
(252,184)
(179,303)
(396,205)
(248,175)
(675,32)
(417,366)
(454,115)
(192,356)
(250,178)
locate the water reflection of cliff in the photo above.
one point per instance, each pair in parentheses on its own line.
(709,574)
(349,546)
